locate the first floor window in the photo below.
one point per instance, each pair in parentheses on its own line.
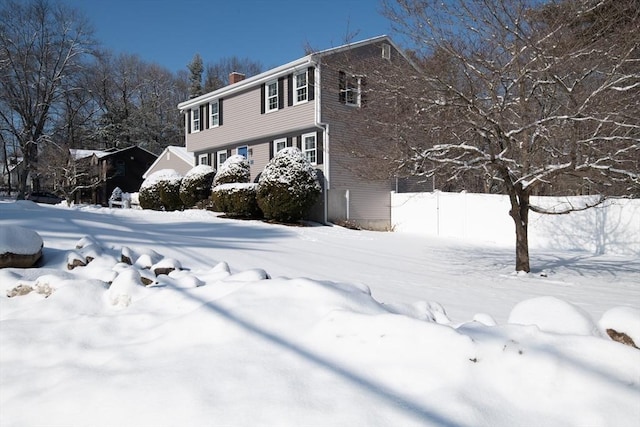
(309,147)
(195,120)
(279,144)
(222,157)
(203,159)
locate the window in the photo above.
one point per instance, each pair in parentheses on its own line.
(271,97)
(195,119)
(214,116)
(300,84)
(222,157)
(243,151)
(279,144)
(309,147)
(350,89)
(386,51)
(203,159)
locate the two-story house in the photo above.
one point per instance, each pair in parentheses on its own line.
(310,103)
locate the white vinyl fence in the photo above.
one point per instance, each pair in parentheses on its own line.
(612,228)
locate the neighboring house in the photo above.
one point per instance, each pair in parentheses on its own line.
(10,176)
(109,169)
(173,157)
(309,103)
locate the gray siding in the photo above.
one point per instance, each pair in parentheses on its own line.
(243,122)
(369,201)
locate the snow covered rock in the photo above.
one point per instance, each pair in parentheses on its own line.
(19,247)
(166,266)
(622,324)
(552,314)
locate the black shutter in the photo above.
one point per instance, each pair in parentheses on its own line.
(342,87)
(228,153)
(363,91)
(220,112)
(271,150)
(311,76)
(319,147)
(280,93)
(205,119)
(189,121)
(262,97)
(202,117)
(291,90)
(299,142)
(289,141)
(209,159)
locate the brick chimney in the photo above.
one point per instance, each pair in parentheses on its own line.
(235,77)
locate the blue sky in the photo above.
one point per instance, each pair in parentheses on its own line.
(272,32)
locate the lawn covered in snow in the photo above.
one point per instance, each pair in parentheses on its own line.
(270,325)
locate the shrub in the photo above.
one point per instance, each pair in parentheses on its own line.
(235,169)
(196,185)
(288,186)
(237,199)
(161,191)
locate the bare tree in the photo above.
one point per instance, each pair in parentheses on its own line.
(538,97)
(42,45)
(217,74)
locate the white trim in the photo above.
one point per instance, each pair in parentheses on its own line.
(220,153)
(268,97)
(314,149)
(215,102)
(202,157)
(283,70)
(275,144)
(193,119)
(295,87)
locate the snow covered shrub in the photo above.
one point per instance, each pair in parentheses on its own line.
(161,191)
(236,200)
(234,169)
(288,186)
(196,185)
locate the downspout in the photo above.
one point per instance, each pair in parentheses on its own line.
(325,146)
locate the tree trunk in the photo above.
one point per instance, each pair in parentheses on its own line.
(520,214)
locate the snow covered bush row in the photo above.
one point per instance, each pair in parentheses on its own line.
(286,189)
(288,186)
(161,191)
(196,185)
(236,200)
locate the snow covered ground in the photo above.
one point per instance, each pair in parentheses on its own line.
(353,328)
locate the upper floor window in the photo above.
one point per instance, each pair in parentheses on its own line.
(300,84)
(214,114)
(309,147)
(195,119)
(350,89)
(271,97)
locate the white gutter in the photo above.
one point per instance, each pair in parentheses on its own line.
(274,73)
(325,146)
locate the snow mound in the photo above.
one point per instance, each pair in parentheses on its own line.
(552,314)
(163,175)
